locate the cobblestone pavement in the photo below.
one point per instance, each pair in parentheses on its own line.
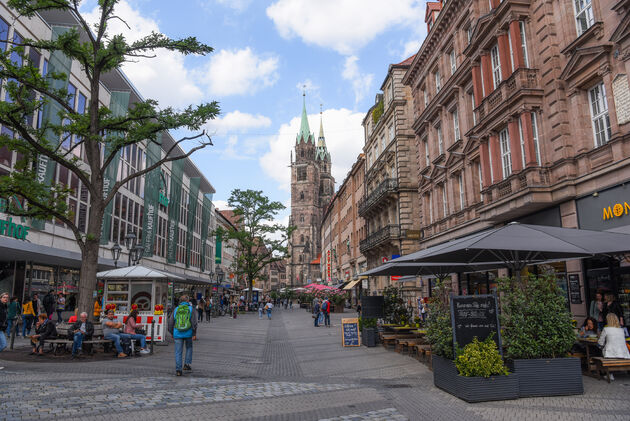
(283,369)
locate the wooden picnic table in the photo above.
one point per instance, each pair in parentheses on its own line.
(403,329)
(589,343)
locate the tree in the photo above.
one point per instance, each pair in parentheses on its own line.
(100,131)
(259,240)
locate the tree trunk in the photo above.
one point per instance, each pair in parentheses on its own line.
(250,292)
(89,261)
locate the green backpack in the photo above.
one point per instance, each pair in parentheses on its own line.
(182,317)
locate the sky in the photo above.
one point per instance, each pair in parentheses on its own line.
(266,54)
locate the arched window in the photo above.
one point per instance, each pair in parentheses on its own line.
(301,218)
(301,195)
(301,258)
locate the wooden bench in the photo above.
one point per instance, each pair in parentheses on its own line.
(390,339)
(60,344)
(402,344)
(423,352)
(610,364)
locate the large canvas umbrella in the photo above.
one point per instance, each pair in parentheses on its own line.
(518,245)
(439,270)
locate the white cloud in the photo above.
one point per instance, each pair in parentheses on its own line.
(238,72)
(411,47)
(344,139)
(221,204)
(361,82)
(164,78)
(238,5)
(343,25)
(237,121)
(308,86)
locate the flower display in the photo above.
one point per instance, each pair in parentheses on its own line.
(159,309)
(110,306)
(134,306)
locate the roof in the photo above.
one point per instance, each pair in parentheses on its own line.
(305,130)
(406,62)
(228,215)
(137,272)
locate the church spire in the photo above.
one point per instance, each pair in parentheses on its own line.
(322,152)
(305,131)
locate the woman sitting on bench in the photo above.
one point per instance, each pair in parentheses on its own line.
(613,339)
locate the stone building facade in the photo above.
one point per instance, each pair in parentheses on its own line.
(343,229)
(521,114)
(312,188)
(390,206)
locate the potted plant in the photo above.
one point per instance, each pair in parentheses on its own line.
(394,307)
(537,335)
(368,331)
(440,337)
(482,374)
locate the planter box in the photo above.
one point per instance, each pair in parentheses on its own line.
(548,377)
(473,389)
(336,308)
(368,336)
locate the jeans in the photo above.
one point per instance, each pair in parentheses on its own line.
(320,318)
(179,347)
(260,311)
(27,322)
(269,313)
(59,318)
(200,315)
(136,336)
(3,341)
(316,321)
(77,342)
(115,337)
(327,318)
(10,326)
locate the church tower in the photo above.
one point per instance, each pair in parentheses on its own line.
(312,187)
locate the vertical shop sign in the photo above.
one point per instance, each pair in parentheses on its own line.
(173,210)
(205,222)
(151,196)
(192,214)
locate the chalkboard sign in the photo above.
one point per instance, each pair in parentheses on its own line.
(475,316)
(350,332)
(574,289)
(372,306)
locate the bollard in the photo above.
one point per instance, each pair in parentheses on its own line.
(152,335)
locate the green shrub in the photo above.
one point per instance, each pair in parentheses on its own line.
(366,322)
(535,322)
(439,328)
(394,307)
(480,359)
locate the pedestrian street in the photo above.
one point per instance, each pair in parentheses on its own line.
(280,369)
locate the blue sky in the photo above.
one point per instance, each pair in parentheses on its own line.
(265,51)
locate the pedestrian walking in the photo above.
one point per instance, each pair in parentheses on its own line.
(28,316)
(269,307)
(61,306)
(326,311)
(13,314)
(208,308)
(200,307)
(4,320)
(260,310)
(183,327)
(316,313)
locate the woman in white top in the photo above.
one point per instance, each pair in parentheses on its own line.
(613,339)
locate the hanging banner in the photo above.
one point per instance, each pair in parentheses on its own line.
(217,256)
(57,63)
(192,214)
(118,104)
(173,210)
(151,197)
(205,226)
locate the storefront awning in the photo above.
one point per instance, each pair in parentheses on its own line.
(351,284)
(138,272)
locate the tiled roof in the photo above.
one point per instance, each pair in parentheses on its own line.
(432,7)
(406,62)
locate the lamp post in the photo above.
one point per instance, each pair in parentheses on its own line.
(135,250)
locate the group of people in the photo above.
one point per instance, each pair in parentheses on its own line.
(321,312)
(265,307)
(203,306)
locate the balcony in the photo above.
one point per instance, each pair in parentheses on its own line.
(521,79)
(387,187)
(385,234)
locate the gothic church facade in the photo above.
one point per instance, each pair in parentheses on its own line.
(312,188)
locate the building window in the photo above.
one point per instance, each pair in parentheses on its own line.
(599,114)
(521,26)
(383,143)
(453,60)
(301,195)
(438,81)
(469,33)
(440,140)
(456,125)
(496,66)
(506,158)
(520,132)
(444,204)
(462,199)
(535,137)
(426,98)
(583,15)
(430,208)
(472,107)
(392,135)
(480,179)
(301,174)
(426,152)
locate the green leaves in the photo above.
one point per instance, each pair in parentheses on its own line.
(394,306)
(439,328)
(480,359)
(535,320)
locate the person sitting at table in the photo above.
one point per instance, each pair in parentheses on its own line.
(81,330)
(130,331)
(589,328)
(613,339)
(44,329)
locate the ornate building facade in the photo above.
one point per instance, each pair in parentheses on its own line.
(312,188)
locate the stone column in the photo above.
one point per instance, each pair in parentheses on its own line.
(504,55)
(528,139)
(484,158)
(497,170)
(517,49)
(515,145)
(477,88)
(486,74)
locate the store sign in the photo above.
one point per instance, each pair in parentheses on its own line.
(615,211)
(605,209)
(9,228)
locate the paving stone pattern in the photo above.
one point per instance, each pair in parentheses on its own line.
(284,369)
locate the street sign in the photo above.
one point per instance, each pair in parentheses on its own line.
(350,332)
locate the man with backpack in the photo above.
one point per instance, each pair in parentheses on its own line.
(326,311)
(183,327)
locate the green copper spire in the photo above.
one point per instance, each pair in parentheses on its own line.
(305,131)
(322,152)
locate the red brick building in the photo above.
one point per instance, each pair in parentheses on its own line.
(521,112)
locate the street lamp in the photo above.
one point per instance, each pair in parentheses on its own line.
(135,251)
(116,253)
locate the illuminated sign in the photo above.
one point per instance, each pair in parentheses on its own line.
(615,211)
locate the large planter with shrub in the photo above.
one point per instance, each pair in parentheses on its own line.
(444,374)
(548,377)
(368,336)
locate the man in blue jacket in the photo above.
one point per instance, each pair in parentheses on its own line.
(183,327)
